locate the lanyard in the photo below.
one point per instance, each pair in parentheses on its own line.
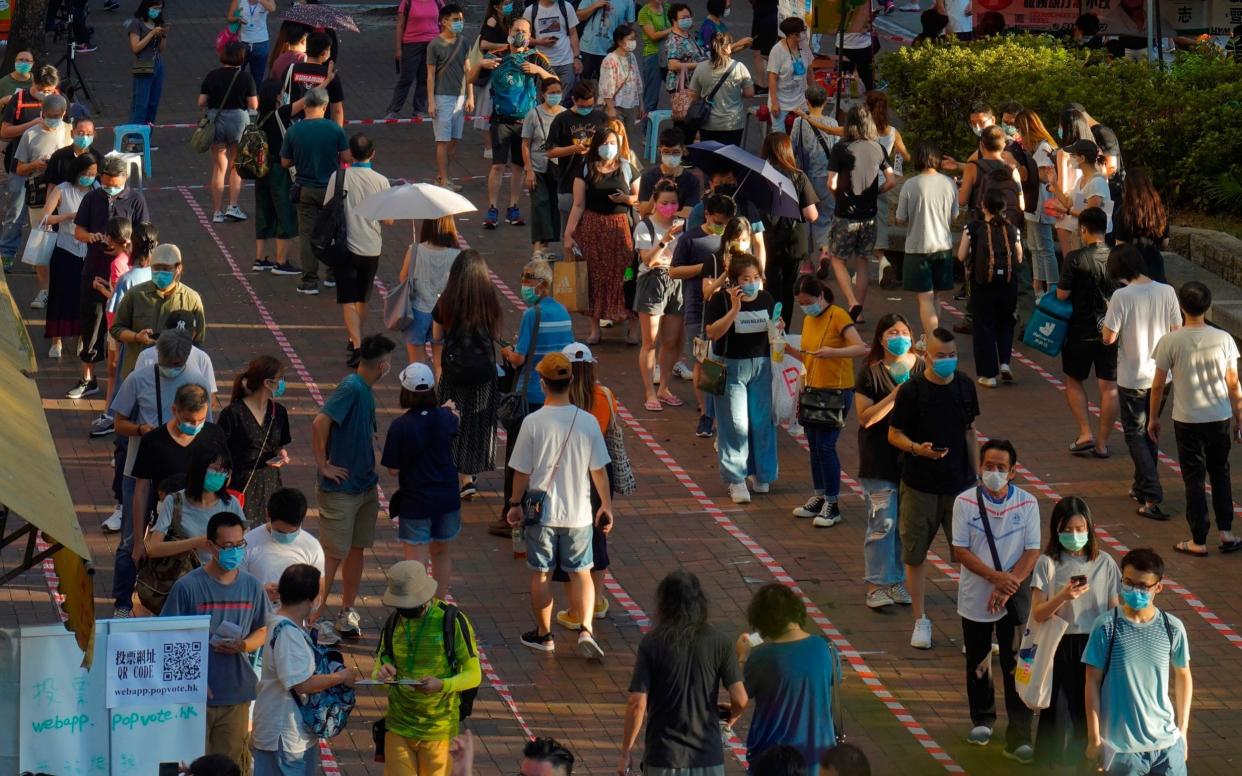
(412,648)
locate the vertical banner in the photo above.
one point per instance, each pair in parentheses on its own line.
(64,723)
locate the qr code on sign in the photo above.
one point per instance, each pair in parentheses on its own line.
(183,661)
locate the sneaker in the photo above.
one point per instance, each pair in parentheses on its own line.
(329,283)
(469,490)
(899,594)
(325,634)
(122,613)
(544,643)
(979,735)
(601,607)
(285,269)
(40,301)
(739,493)
(348,623)
(810,508)
(921,637)
(682,372)
(218,217)
(704,429)
(235,213)
(759,487)
(54,351)
(390,116)
(588,647)
(879,598)
(828,516)
(262,265)
(565,621)
(113,523)
(83,389)
(513,217)
(1023,754)
(102,426)
(489,221)
(987,382)
(308,287)
(1006,373)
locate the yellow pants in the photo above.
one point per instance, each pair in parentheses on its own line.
(228,733)
(411,757)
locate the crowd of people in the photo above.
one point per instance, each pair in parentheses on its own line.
(710,288)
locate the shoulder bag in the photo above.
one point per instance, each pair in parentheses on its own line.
(823,407)
(399,301)
(622,471)
(700,110)
(330,232)
(713,372)
(205,133)
(156,576)
(535,500)
(1019,604)
(513,406)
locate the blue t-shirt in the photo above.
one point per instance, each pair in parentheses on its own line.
(556,330)
(231,678)
(790,684)
(351,442)
(514,93)
(419,447)
(1136,712)
(596,37)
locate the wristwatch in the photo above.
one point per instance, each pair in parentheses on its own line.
(662,245)
(511,504)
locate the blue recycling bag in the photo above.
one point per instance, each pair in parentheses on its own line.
(1047,328)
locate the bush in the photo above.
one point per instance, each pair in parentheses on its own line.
(1183,124)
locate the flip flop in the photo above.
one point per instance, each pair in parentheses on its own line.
(1232,546)
(671,400)
(1184,548)
(1101,454)
(1082,447)
(653,405)
(1153,512)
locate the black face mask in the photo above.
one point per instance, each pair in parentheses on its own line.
(412,614)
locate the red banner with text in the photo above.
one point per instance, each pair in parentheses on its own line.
(1117,17)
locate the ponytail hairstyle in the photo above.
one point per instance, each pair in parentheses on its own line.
(258,371)
(144,237)
(720,46)
(994,205)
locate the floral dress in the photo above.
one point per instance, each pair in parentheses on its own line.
(683,48)
(621,79)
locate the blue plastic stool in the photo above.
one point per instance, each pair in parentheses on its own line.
(143,130)
(652,146)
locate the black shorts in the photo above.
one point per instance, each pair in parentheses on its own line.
(354,278)
(763,31)
(1078,358)
(506,141)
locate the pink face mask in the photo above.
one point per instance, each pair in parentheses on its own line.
(666,209)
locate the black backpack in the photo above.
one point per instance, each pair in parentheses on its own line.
(330,231)
(468,357)
(451,627)
(989,174)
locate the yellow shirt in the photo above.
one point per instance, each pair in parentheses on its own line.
(827,330)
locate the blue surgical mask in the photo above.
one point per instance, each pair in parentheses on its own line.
(507,8)
(671,160)
(554,99)
(813,309)
(53,123)
(280,388)
(1135,599)
(945,367)
(686,23)
(899,372)
(231,558)
(608,151)
(85,180)
(581,111)
(82,142)
(23,68)
(154,13)
(285,538)
(1072,540)
(214,480)
(190,429)
(113,191)
(171,372)
(163,279)
(457,26)
(751,288)
(898,344)
(529,295)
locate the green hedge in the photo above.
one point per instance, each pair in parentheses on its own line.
(1182,123)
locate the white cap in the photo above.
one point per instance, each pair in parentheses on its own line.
(417,377)
(576,352)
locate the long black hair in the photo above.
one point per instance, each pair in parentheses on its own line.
(197,472)
(886,322)
(681,610)
(1061,514)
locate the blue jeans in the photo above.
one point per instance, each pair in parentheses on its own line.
(744,424)
(281,763)
(124,570)
(1041,243)
(825,463)
(147,92)
(653,82)
(881,551)
(256,59)
(15,216)
(1166,762)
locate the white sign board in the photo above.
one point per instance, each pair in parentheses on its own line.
(164,666)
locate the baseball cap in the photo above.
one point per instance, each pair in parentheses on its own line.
(417,377)
(577,352)
(554,366)
(1083,147)
(181,319)
(166,254)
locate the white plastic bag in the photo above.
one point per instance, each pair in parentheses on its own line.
(1033,674)
(787,376)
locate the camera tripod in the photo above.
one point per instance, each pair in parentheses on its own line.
(72,80)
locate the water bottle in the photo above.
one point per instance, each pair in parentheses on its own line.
(519,543)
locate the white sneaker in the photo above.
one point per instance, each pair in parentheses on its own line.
(235,213)
(759,487)
(987,382)
(921,637)
(879,598)
(588,647)
(40,300)
(739,493)
(113,523)
(325,634)
(682,371)
(1006,373)
(218,217)
(348,623)
(54,351)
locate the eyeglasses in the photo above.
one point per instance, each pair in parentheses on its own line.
(531,278)
(1137,587)
(231,545)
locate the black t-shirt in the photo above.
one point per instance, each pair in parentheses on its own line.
(597,191)
(997,263)
(1148,245)
(940,414)
(269,96)
(683,689)
(61,163)
(1084,275)
(1106,139)
(787,237)
(216,87)
(567,127)
(308,75)
(748,336)
(877,459)
(689,187)
(159,456)
(859,167)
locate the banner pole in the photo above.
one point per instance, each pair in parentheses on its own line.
(1151,28)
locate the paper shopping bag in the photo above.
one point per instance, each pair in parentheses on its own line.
(569,285)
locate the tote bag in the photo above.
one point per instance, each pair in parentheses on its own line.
(1033,674)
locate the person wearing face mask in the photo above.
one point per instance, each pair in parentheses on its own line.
(23,112)
(63,310)
(657,296)
(60,166)
(30,159)
(432,643)
(991,253)
(681,50)
(727,82)
(148,34)
(257,429)
(148,305)
(554,31)
(620,82)
(718,12)
(830,342)
(281,541)
(230,595)
(927,206)
(545,212)
(993,592)
(598,228)
(569,141)
(672,149)
(452,95)
(888,365)
(119,233)
(937,406)
(1077,582)
(346,485)
(206,494)
(600,21)
(19,78)
(654,21)
(251,16)
(789,72)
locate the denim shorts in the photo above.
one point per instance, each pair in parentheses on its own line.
(441,528)
(545,545)
(450,118)
(229,125)
(419,332)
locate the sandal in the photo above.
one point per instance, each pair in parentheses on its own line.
(1184,548)
(1082,447)
(1105,453)
(671,400)
(1152,512)
(653,405)
(593,341)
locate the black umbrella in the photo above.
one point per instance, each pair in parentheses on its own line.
(758,181)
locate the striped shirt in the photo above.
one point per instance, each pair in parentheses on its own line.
(1015,528)
(556,330)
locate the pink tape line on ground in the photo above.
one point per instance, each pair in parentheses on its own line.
(1192,600)
(848,653)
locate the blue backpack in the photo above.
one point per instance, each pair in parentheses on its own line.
(324,713)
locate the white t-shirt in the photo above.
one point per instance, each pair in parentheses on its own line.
(537,449)
(277,721)
(646,235)
(1043,159)
(254,21)
(1097,186)
(790,88)
(549,22)
(1198,358)
(1015,528)
(960,19)
(928,205)
(266,559)
(1103,583)
(1140,313)
(363,236)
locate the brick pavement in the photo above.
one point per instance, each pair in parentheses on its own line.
(664,526)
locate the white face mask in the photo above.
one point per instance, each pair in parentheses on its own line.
(995,481)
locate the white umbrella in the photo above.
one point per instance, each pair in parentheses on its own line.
(414,201)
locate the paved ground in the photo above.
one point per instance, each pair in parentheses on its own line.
(905,707)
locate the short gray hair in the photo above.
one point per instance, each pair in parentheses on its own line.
(816,95)
(173,347)
(55,105)
(114,167)
(538,268)
(316,97)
